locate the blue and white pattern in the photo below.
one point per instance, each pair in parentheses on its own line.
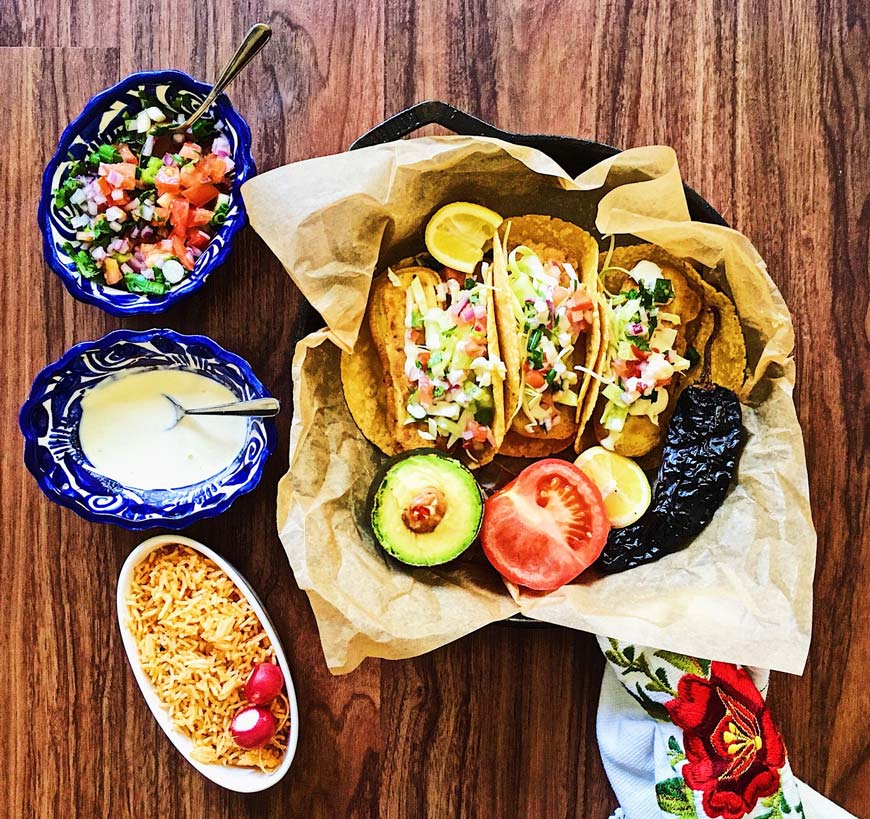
(50,419)
(100,121)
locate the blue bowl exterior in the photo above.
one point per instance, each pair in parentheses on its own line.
(53,454)
(86,124)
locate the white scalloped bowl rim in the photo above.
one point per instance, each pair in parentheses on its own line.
(241,780)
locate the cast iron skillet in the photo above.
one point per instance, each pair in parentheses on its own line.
(572,154)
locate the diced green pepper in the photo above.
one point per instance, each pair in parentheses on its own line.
(149,172)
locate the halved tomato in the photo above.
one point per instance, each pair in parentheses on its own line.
(546,526)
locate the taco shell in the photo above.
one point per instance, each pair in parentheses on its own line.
(552,240)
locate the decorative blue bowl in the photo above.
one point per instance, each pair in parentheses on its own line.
(101,120)
(50,417)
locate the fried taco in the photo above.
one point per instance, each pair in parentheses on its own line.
(426,370)
(659,315)
(545,273)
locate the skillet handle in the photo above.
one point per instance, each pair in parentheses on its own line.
(427,113)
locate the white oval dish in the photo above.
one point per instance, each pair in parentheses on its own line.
(242,780)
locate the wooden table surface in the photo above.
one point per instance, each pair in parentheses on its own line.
(767,108)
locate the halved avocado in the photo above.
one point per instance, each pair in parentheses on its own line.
(426,507)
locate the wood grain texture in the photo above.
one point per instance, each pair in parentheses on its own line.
(766,105)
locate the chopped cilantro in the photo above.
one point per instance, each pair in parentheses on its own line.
(469,284)
(204,128)
(550,377)
(137,283)
(416,319)
(85,265)
(484,415)
(534,339)
(641,344)
(438,391)
(63,193)
(663,291)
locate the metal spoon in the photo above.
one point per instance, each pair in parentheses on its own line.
(256,408)
(254,40)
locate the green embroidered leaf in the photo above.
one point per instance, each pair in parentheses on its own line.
(613,658)
(655,709)
(662,675)
(689,665)
(674,745)
(628,652)
(673,798)
(705,667)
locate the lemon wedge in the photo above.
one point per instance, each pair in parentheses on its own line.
(456,234)
(622,483)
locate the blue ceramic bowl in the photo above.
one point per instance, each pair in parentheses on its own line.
(50,419)
(100,121)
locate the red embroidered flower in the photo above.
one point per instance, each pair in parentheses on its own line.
(733,749)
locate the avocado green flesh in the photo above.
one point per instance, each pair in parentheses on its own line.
(403,482)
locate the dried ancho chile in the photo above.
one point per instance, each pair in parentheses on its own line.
(698,464)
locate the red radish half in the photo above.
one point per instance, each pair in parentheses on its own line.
(253,727)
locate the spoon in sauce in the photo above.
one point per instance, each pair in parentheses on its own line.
(256,408)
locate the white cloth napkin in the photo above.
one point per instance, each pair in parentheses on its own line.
(638,758)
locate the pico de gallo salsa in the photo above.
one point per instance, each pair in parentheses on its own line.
(147,203)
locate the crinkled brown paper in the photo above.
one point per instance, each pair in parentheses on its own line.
(742,592)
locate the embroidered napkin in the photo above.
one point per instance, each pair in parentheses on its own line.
(687,737)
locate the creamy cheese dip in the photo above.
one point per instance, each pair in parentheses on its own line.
(126,429)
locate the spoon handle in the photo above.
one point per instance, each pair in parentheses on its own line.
(257,408)
(255,39)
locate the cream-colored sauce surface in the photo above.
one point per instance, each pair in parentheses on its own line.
(126,429)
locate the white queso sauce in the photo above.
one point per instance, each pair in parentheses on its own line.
(127,433)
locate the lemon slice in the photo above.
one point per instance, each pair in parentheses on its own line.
(456,234)
(623,486)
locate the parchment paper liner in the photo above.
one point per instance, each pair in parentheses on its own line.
(742,592)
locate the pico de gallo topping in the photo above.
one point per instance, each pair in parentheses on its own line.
(642,337)
(147,204)
(447,360)
(553,309)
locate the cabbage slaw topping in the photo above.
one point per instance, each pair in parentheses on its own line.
(447,361)
(551,308)
(641,347)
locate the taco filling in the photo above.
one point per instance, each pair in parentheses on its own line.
(448,362)
(552,309)
(642,337)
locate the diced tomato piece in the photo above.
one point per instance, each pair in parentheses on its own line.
(167,180)
(126,171)
(190,150)
(200,217)
(178,211)
(200,195)
(160,216)
(198,238)
(126,154)
(625,369)
(179,249)
(534,379)
(640,355)
(192,174)
(105,187)
(423,357)
(213,167)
